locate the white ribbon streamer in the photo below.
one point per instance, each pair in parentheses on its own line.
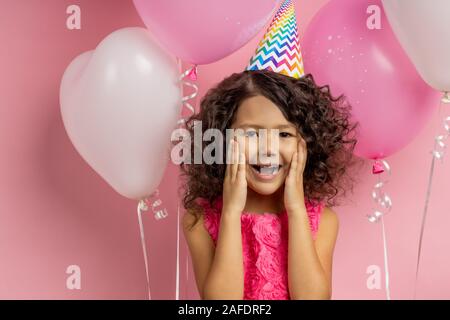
(193,95)
(383,200)
(186,103)
(158,214)
(437,154)
(177,280)
(142,206)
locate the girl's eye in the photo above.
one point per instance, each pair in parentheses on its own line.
(250,134)
(285,134)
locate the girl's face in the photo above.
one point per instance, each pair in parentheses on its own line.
(265,176)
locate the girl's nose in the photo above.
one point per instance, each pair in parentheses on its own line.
(269,145)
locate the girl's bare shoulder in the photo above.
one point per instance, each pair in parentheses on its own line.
(193,222)
(329,215)
(329,223)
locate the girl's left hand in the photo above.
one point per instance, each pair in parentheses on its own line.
(293,186)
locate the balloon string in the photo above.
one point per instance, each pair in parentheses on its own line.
(142,206)
(177,284)
(186,290)
(437,153)
(384,201)
(386,263)
(177,279)
(192,75)
(422,225)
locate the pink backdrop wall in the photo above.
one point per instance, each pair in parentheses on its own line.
(56,212)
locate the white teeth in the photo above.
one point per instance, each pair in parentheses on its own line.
(269,170)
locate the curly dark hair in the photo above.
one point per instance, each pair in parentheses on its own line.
(321,119)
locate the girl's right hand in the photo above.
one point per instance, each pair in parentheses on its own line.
(235,182)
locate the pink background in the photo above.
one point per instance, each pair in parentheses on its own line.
(55,211)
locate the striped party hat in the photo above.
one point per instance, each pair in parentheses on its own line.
(279,50)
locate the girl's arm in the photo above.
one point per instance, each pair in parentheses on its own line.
(218,271)
(309,261)
(201,248)
(222,277)
(226,277)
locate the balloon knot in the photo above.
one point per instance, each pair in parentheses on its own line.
(193,73)
(377,167)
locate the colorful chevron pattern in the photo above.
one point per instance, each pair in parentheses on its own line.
(279,50)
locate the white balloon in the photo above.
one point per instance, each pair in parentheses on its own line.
(119,104)
(423,29)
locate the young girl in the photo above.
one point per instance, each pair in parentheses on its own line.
(255,233)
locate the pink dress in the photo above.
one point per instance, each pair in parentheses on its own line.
(265,248)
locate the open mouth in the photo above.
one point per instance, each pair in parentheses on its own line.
(266,171)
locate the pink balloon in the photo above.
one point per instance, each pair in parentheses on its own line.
(204,31)
(120,104)
(389,99)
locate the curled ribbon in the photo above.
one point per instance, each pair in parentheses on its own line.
(439,146)
(378,195)
(159,212)
(438,153)
(383,200)
(192,75)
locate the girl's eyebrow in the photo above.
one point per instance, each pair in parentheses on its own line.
(281,126)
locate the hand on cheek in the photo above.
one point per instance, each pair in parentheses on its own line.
(293,189)
(235,181)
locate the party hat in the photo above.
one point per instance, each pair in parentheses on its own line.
(279,50)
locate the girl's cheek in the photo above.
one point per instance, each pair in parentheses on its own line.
(287,150)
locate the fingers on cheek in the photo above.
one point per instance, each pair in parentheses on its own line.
(303,142)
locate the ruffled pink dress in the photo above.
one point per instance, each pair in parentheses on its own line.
(265,247)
